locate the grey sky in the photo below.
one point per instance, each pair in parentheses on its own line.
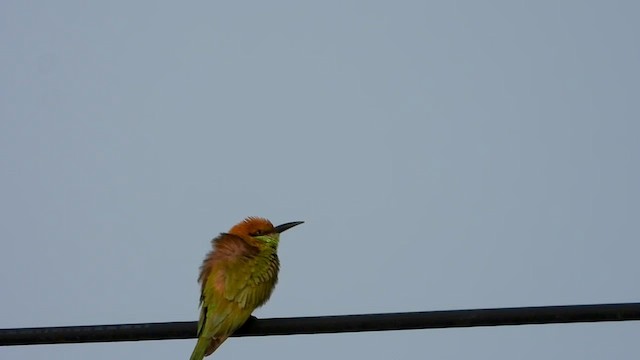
(443,155)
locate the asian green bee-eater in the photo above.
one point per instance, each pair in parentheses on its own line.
(236,277)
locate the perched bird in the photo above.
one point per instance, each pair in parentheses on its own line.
(236,277)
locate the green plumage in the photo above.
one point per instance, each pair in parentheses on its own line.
(236,277)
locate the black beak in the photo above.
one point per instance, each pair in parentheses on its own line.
(282,228)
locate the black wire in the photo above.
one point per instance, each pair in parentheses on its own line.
(329,324)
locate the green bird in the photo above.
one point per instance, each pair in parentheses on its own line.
(236,277)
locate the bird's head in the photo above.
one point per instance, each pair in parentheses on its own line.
(261,231)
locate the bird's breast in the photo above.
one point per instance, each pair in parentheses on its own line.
(265,270)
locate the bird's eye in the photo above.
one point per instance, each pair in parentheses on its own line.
(257,233)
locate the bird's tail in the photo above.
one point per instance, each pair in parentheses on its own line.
(200,349)
(206,346)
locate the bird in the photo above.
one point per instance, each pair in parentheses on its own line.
(237,276)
